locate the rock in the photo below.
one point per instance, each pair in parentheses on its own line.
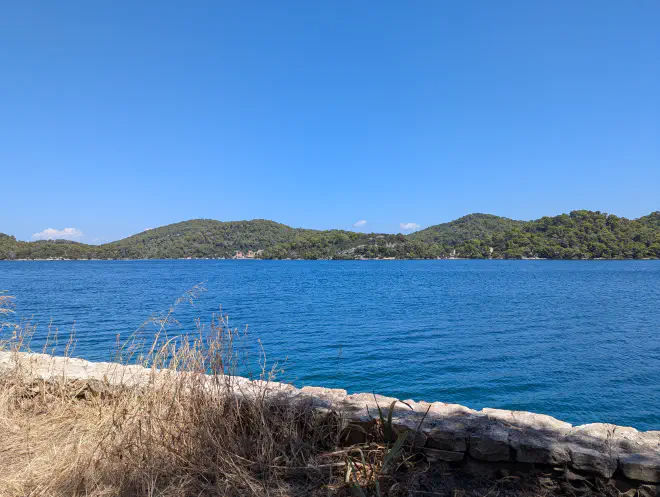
(593,461)
(443,455)
(414,439)
(649,491)
(333,394)
(364,406)
(641,467)
(608,438)
(448,436)
(523,419)
(441,410)
(490,443)
(329,398)
(651,441)
(538,449)
(535,438)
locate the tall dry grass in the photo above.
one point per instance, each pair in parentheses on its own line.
(6,303)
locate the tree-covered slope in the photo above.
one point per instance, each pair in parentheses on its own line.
(199,238)
(463,229)
(10,248)
(581,235)
(578,235)
(335,244)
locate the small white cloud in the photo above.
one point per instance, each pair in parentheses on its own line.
(409,226)
(53,234)
(359,224)
(148,229)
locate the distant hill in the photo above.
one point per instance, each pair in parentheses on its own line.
(578,235)
(463,229)
(200,238)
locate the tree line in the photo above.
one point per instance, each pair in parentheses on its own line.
(578,235)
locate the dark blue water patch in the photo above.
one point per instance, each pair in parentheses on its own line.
(574,339)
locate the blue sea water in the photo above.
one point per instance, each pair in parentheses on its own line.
(579,340)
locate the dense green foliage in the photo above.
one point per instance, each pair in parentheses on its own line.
(199,238)
(578,235)
(466,228)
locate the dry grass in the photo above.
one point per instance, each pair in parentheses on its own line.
(6,303)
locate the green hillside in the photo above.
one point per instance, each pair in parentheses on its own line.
(470,227)
(578,235)
(199,238)
(581,235)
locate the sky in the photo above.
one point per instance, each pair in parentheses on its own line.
(116,117)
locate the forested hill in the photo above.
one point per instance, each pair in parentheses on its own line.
(200,238)
(466,228)
(578,235)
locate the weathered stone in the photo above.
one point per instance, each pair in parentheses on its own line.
(523,419)
(608,438)
(443,410)
(443,455)
(535,438)
(641,467)
(330,398)
(448,436)
(415,438)
(490,443)
(593,461)
(334,394)
(535,448)
(364,406)
(651,440)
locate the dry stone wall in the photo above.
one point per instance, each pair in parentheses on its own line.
(449,433)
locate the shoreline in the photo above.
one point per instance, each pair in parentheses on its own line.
(446,433)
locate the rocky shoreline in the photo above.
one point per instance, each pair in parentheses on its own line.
(493,439)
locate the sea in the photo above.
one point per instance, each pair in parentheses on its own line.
(578,340)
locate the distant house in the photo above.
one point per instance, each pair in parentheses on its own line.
(251,254)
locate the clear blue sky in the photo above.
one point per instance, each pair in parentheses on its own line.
(120,116)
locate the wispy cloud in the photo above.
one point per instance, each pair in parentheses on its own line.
(53,234)
(409,226)
(360,223)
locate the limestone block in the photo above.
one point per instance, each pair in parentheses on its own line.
(641,467)
(592,461)
(490,443)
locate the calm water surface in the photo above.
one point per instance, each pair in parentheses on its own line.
(578,340)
